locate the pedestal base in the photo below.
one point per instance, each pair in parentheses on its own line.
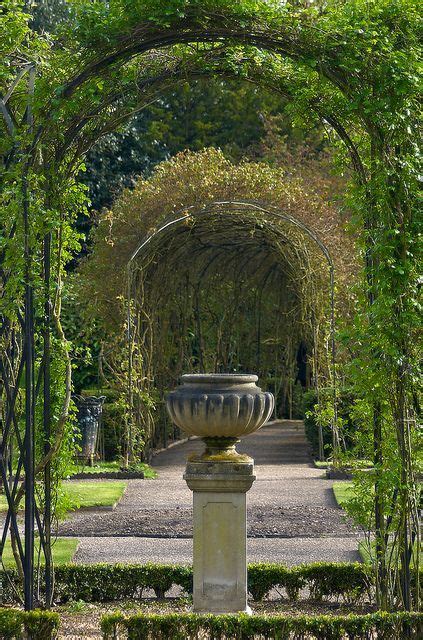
(248,611)
(220,534)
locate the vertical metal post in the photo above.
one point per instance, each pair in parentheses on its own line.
(46,422)
(29,446)
(129,435)
(335,434)
(29,410)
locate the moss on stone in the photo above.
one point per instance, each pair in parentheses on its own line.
(221,456)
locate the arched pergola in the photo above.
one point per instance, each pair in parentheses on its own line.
(325,63)
(255,216)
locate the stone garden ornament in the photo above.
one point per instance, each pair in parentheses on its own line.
(220,408)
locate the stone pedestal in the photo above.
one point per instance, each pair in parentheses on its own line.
(220,408)
(220,534)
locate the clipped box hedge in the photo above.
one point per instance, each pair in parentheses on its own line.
(189,626)
(110,582)
(32,625)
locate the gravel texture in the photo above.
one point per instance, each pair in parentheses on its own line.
(292,514)
(289,551)
(263,521)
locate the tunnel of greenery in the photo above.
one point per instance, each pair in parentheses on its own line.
(228,285)
(352,65)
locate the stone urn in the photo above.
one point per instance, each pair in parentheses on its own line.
(220,408)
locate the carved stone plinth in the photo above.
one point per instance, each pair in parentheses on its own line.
(220,534)
(220,408)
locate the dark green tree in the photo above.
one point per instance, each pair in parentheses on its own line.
(219,113)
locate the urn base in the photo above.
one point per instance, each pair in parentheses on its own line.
(220,449)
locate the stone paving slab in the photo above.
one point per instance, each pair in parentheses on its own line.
(290,551)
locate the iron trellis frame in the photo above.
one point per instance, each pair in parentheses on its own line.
(290,43)
(18,371)
(37,381)
(18,361)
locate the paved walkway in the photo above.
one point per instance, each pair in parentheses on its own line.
(292,515)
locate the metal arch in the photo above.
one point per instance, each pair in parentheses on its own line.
(193,212)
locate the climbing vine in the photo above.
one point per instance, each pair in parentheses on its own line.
(351,64)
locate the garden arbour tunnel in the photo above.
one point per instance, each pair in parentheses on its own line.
(198,279)
(92,85)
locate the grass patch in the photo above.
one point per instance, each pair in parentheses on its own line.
(343,492)
(368,554)
(63,551)
(322,464)
(84,494)
(102,467)
(364,551)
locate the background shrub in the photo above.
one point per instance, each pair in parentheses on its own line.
(345,403)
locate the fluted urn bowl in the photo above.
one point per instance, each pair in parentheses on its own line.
(220,408)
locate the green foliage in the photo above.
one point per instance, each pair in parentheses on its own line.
(106,582)
(262,578)
(115,466)
(33,625)
(311,424)
(47,15)
(350,580)
(194,115)
(354,64)
(389,626)
(114,415)
(318,410)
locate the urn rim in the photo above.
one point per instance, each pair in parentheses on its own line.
(213,378)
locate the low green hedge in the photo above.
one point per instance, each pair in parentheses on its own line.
(110,582)
(32,625)
(189,626)
(105,582)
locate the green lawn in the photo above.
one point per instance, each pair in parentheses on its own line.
(85,493)
(116,466)
(63,551)
(342,492)
(322,464)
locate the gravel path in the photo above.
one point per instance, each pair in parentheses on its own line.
(292,515)
(288,551)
